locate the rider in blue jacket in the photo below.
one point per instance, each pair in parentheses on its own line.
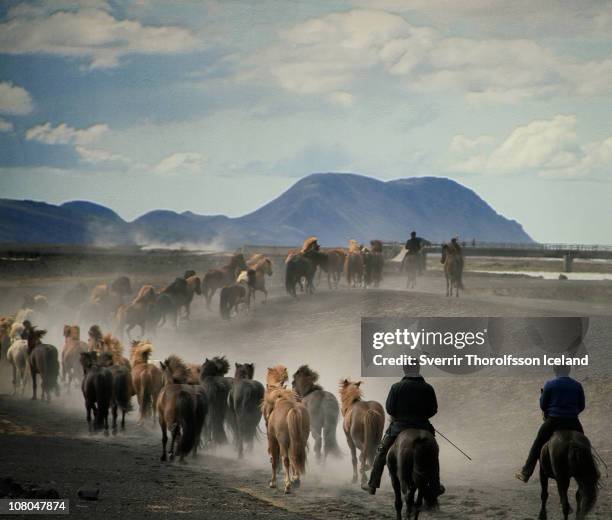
(561,401)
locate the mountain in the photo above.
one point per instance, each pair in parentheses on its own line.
(332,206)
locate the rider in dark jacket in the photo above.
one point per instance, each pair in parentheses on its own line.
(561,401)
(413,244)
(411,403)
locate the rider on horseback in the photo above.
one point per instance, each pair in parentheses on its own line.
(561,401)
(413,245)
(411,403)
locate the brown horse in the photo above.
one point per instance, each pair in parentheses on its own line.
(335,265)
(323,411)
(146,378)
(237,295)
(353,265)
(217,388)
(194,286)
(135,313)
(414,467)
(97,387)
(217,278)
(113,346)
(176,372)
(373,264)
(276,378)
(569,454)
(262,266)
(288,428)
(122,386)
(453,269)
(363,425)
(71,354)
(44,361)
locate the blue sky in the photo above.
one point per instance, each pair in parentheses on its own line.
(216,107)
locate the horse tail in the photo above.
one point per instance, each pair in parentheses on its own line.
(187,420)
(224,303)
(290,278)
(122,389)
(297,442)
(426,469)
(146,385)
(331,412)
(372,433)
(584,469)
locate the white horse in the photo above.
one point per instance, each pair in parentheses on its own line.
(17,356)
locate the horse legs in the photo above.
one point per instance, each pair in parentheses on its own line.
(287,468)
(274,451)
(164,430)
(363,464)
(409,498)
(33,384)
(562,487)
(397,490)
(351,445)
(173,432)
(316,430)
(418,505)
(114,419)
(543,494)
(105,420)
(123,418)
(88,409)
(15,380)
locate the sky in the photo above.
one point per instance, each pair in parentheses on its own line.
(219,106)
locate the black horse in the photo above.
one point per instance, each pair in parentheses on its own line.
(122,388)
(569,454)
(304,265)
(217,388)
(414,468)
(245,399)
(97,389)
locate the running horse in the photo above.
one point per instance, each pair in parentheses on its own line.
(262,266)
(353,265)
(219,277)
(303,265)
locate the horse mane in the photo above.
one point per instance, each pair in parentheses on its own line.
(17,330)
(141,351)
(277,376)
(354,246)
(309,376)
(95,333)
(275,394)
(377,246)
(259,263)
(217,366)
(255,259)
(114,346)
(309,244)
(177,368)
(349,393)
(143,293)
(244,371)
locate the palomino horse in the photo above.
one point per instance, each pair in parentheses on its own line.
(97,386)
(122,388)
(44,361)
(17,356)
(220,277)
(569,454)
(453,269)
(288,428)
(135,313)
(414,467)
(245,398)
(410,264)
(262,266)
(353,265)
(217,389)
(363,425)
(71,354)
(177,372)
(146,378)
(323,411)
(276,377)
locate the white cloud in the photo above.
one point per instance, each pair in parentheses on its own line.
(462,143)
(92,34)
(335,52)
(96,155)
(181,163)
(64,134)
(14,100)
(5,126)
(342,99)
(549,148)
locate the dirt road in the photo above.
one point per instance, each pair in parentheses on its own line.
(494,420)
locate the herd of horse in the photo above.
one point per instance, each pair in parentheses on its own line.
(199,406)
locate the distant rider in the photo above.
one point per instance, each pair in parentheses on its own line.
(411,403)
(561,401)
(413,244)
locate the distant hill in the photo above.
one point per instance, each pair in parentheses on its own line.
(332,206)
